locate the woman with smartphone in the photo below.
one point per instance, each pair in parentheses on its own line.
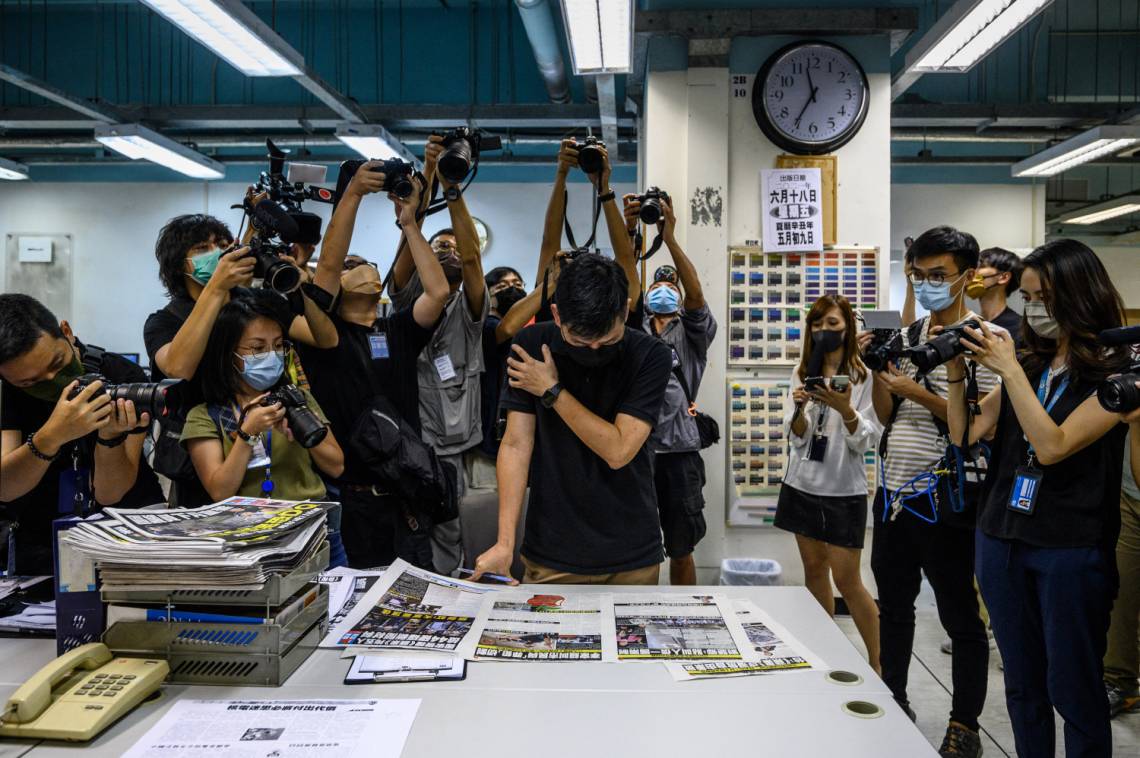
(832,426)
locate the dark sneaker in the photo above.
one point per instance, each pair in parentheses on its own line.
(960,742)
(908,711)
(1121,701)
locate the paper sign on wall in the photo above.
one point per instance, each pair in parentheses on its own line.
(35,249)
(792,205)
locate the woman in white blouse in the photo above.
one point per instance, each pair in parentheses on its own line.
(823,499)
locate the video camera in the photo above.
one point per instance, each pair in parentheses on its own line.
(1119,394)
(278,222)
(148,397)
(462,147)
(397,176)
(886,338)
(306,427)
(651,211)
(590,156)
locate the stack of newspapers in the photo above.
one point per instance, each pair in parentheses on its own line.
(235,544)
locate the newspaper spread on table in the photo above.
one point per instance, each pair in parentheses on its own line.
(515,625)
(347,587)
(280,728)
(410,608)
(678,627)
(773,648)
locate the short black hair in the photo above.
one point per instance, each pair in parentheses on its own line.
(448,231)
(592,292)
(176,238)
(1006,262)
(217,376)
(946,239)
(498,274)
(23,320)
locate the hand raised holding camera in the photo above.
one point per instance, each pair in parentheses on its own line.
(567,156)
(366,181)
(432,150)
(124,419)
(631,209)
(259,418)
(668,223)
(88,411)
(235,269)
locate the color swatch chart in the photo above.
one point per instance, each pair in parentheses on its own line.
(770,293)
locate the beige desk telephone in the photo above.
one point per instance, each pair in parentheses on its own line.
(79,694)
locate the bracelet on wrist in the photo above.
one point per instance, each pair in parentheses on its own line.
(30,442)
(852,420)
(607,196)
(111,442)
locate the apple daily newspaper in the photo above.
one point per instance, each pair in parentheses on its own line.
(678,627)
(518,625)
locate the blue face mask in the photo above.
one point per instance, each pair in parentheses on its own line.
(935,297)
(663,300)
(262,370)
(204,265)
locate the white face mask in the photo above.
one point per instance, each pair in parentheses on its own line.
(1040,321)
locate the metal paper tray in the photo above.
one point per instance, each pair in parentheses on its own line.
(276,591)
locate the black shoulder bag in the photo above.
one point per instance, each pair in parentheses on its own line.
(707,428)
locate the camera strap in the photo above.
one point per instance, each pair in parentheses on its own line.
(639,244)
(590,243)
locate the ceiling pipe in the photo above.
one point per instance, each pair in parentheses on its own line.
(216,141)
(918,134)
(591,83)
(538,20)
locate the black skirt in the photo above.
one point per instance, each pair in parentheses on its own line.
(839,521)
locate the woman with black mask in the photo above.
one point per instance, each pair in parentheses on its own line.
(1049,512)
(823,499)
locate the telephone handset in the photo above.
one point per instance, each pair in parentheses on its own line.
(79,694)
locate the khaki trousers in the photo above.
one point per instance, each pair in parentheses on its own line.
(536,574)
(1122,659)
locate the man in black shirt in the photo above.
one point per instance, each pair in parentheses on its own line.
(584,393)
(372,356)
(61,455)
(997,277)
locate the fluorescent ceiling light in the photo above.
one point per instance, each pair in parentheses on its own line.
(139,143)
(234,33)
(1087,146)
(12,171)
(370,140)
(968,31)
(600,33)
(1102,211)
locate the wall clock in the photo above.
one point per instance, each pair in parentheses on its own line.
(810,97)
(484,234)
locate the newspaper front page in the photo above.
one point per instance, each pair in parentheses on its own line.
(240,520)
(347,587)
(678,627)
(536,626)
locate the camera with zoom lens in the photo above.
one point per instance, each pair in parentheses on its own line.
(886,338)
(306,427)
(1119,394)
(462,147)
(591,159)
(942,348)
(397,176)
(651,211)
(148,397)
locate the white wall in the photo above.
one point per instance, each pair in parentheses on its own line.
(114,225)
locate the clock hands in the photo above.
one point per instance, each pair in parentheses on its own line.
(811,98)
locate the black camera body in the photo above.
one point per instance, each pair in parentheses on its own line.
(148,397)
(885,347)
(1119,394)
(942,348)
(462,147)
(307,429)
(590,157)
(397,173)
(651,211)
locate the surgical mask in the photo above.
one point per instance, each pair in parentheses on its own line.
(663,300)
(935,297)
(205,265)
(262,370)
(1040,321)
(505,299)
(49,390)
(977,286)
(828,339)
(362,280)
(452,267)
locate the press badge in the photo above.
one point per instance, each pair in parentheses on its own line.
(258,457)
(817,448)
(444,368)
(378,345)
(1026,486)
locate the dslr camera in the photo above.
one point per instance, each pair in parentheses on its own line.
(462,147)
(397,176)
(886,338)
(941,348)
(148,397)
(278,221)
(307,429)
(590,156)
(1119,394)
(651,211)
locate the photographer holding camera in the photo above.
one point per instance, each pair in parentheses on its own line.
(65,449)
(374,357)
(913,534)
(201,273)
(677,314)
(1050,514)
(585,392)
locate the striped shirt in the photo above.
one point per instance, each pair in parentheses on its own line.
(914,445)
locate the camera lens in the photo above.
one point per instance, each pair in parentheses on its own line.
(147,397)
(455,163)
(650,211)
(590,159)
(307,429)
(1119,394)
(279,275)
(400,187)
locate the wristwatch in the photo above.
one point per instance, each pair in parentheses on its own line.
(550,397)
(607,197)
(245,436)
(452,194)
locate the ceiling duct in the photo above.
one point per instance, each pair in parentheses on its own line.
(538,20)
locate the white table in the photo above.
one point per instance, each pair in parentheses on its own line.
(504,710)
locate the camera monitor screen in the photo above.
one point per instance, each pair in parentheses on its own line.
(882,320)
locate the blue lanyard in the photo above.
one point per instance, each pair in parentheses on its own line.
(267,483)
(1042,385)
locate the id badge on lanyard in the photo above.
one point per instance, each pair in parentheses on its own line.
(378,345)
(74,487)
(1027,479)
(817,445)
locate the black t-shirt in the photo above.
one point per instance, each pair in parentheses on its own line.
(1078,504)
(36,510)
(1010,320)
(491,382)
(343,379)
(583,516)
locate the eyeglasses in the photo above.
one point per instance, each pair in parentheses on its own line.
(349,265)
(917,277)
(283,349)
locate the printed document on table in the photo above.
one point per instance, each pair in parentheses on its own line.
(346,588)
(280,728)
(678,627)
(773,649)
(515,625)
(412,609)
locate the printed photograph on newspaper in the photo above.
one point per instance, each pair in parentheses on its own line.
(678,627)
(535,626)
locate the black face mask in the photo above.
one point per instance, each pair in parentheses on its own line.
(590,357)
(505,299)
(828,339)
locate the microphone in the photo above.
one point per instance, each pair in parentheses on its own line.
(1122,335)
(269,214)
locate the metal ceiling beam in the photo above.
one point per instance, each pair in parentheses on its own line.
(994,160)
(347,109)
(1024,115)
(607,108)
(99,112)
(259,160)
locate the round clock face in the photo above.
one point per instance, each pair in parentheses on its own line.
(484,234)
(810,97)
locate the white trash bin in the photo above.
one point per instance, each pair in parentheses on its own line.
(749,572)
